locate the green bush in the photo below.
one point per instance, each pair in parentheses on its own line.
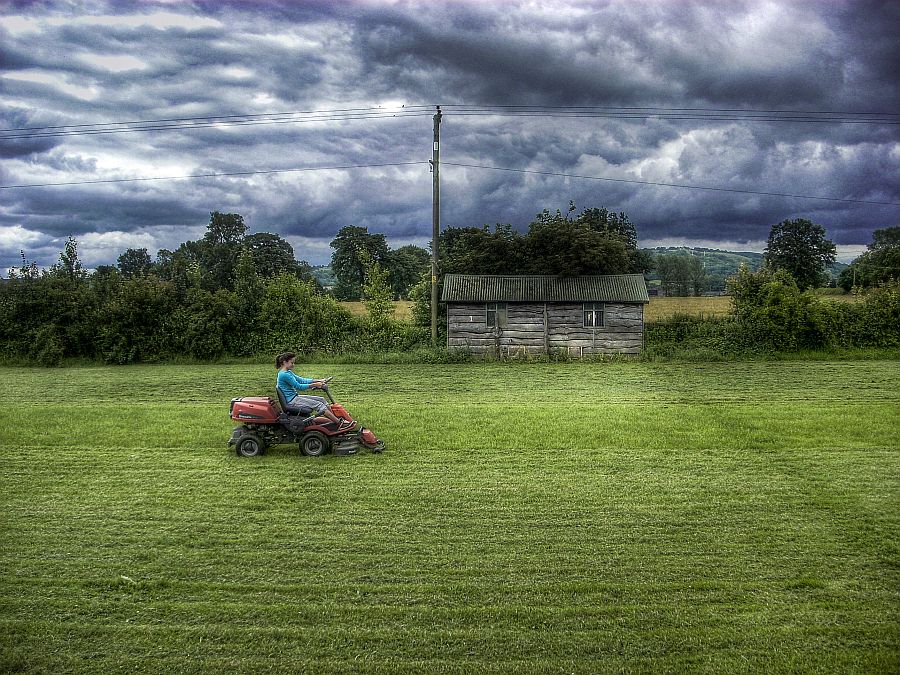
(293,316)
(880,316)
(134,324)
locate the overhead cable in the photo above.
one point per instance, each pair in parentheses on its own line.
(660,184)
(214,175)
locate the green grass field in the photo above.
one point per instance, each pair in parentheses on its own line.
(580,517)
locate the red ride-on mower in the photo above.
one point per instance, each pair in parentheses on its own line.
(265,422)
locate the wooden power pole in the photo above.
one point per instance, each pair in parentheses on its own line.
(435,222)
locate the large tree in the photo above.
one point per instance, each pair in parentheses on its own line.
(556,245)
(597,241)
(271,254)
(349,263)
(880,263)
(481,250)
(69,266)
(135,262)
(220,248)
(681,274)
(800,247)
(406,265)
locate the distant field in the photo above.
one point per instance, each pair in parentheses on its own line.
(664,308)
(402,309)
(546,517)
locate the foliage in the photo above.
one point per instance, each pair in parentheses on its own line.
(205,325)
(718,265)
(69,267)
(879,264)
(292,316)
(771,315)
(800,247)
(420,294)
(348,262)
(219,250)
(135,262)
(557,245)
(377,294)
(881,316)
(480,250)
(595,242)
(354,252)
(405,266)
(133,324)
(681,274)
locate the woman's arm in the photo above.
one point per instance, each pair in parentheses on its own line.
(301,383)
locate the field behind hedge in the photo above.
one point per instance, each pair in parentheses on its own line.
(578,517)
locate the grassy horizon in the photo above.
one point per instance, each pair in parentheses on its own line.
(533,517)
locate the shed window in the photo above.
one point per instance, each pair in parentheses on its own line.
(496,315)
(593,315)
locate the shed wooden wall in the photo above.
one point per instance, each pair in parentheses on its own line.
(623,332)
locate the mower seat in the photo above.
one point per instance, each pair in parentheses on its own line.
(304,411)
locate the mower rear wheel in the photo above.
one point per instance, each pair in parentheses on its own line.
(250,445)
(314,444)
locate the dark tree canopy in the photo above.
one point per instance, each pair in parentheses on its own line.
(681,274)
(271,255)
(879,264)
(135,262)
(348,261)
(69,266)
(219,249)
(556,245)
(888,237)
(225,228)
(480,250)
(597,241)
(800,247)
(405,266)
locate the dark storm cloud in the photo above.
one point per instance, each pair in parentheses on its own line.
(131,61)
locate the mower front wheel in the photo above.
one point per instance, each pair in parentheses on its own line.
(250,445)
(314,444)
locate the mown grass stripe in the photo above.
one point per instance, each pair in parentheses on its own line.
(634,517)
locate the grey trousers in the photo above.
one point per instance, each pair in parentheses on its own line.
(303,404)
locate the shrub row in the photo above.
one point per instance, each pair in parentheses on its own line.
(116,320)
(778,319)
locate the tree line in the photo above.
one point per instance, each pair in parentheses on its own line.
(231,293)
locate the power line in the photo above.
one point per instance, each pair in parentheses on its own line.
(678,185)
(221,117)
(214,175)
(459,164)
(202,123)
(669,109)
(340,114)
(675,115)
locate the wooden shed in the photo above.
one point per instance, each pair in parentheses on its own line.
(514,315)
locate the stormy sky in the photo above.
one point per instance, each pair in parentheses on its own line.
(656,92)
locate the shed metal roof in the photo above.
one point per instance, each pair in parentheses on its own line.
(544,288)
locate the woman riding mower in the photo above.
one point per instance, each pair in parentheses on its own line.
(290,384)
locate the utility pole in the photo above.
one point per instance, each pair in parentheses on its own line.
(435,221)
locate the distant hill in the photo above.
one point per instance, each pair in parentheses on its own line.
(324,276)
(720,265)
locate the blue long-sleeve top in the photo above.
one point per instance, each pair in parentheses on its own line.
(290,384)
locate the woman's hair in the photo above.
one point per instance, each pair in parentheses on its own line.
(281,359)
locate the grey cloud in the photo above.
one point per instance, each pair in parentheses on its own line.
(838,57)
